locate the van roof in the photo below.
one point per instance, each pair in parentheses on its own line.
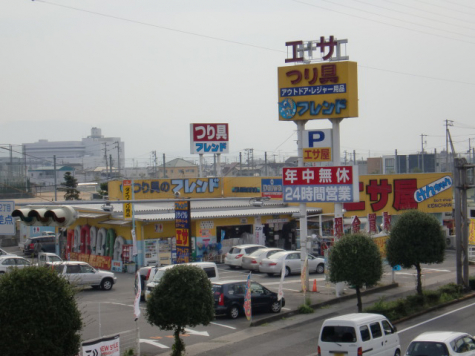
(355,317)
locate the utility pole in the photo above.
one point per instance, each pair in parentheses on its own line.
(105,157)
(164,166)
(55,183)
(110,165)
(118,157)
(240,164)
(447,124)
(265,162)
(422,150)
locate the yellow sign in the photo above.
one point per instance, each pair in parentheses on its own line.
(318,91)
(471,232)
(317,154)
(127,187)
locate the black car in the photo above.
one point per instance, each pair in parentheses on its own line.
(229,298)
(45,243)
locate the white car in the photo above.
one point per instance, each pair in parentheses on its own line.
(233,258)
(273,264)
(7,262)
(251,261)
(5,253)
(442,343)
(81,273)
(47,258)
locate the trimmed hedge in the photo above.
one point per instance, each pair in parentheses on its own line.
(402,307)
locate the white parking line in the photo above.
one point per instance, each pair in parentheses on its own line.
(154,343)
(224,326)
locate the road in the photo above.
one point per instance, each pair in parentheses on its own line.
(111,312)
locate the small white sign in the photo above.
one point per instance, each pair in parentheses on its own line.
(7,223)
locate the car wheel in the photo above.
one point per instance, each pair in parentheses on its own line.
(397,353)
(270,274)
(233,312)
(106,284)
(275,307)
(321,268)
(287,271)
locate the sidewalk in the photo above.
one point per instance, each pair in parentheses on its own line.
(326,305)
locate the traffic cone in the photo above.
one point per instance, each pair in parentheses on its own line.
(314,286)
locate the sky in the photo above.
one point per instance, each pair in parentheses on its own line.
(145,70)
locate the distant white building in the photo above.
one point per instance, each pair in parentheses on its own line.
(90,152)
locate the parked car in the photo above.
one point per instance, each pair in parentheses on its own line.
(145,274)
(5,253)
(442,343)
(251,261)
(210,269)
(7,262)
(359,334)
(273,264)
(47,258)
(229,298)
(44,243)
(233,258)
(81,273)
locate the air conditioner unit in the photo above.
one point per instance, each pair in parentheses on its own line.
(450,242)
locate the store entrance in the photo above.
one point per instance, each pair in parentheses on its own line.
(231,232)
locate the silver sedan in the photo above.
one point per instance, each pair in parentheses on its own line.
(273,264)
(251,261)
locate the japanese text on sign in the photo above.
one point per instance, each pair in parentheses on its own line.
(127,186)
(329,50)
(209,138)
(7,227)
(183,230)
(320,184)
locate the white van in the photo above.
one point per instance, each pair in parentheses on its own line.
(210,269)
(358,334)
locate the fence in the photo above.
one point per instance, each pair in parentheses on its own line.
(127,341)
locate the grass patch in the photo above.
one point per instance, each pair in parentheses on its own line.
(400,308)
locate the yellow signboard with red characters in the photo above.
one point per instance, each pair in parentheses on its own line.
(396,193)
(471,232)
(318,91)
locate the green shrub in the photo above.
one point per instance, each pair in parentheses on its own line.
(305,309)
(456,290)
(432,297)
(471,283)
(414,301)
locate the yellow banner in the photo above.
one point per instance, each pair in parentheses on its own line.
(471,232)
(127,188)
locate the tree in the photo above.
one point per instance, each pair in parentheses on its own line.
(416,238)
(39,314)
(104,189)
(182,298)
(355,259)
(69,186)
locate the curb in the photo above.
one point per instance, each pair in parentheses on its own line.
(281,316)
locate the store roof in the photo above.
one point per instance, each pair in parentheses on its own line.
(204,209)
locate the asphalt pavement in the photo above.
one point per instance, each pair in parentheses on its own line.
(393,285)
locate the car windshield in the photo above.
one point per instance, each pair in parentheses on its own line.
(55,259)
(158,275)
(278,255)
(427,348)
(58,268)
(234,251)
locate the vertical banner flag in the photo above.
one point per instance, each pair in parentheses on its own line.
(127,191)
(247,298)
(106,346)
(304,275)
(137,296)
(280,293)
(134,241)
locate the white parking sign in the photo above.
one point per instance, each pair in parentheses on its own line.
(7,224)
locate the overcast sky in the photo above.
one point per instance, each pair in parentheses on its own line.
(144,70)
